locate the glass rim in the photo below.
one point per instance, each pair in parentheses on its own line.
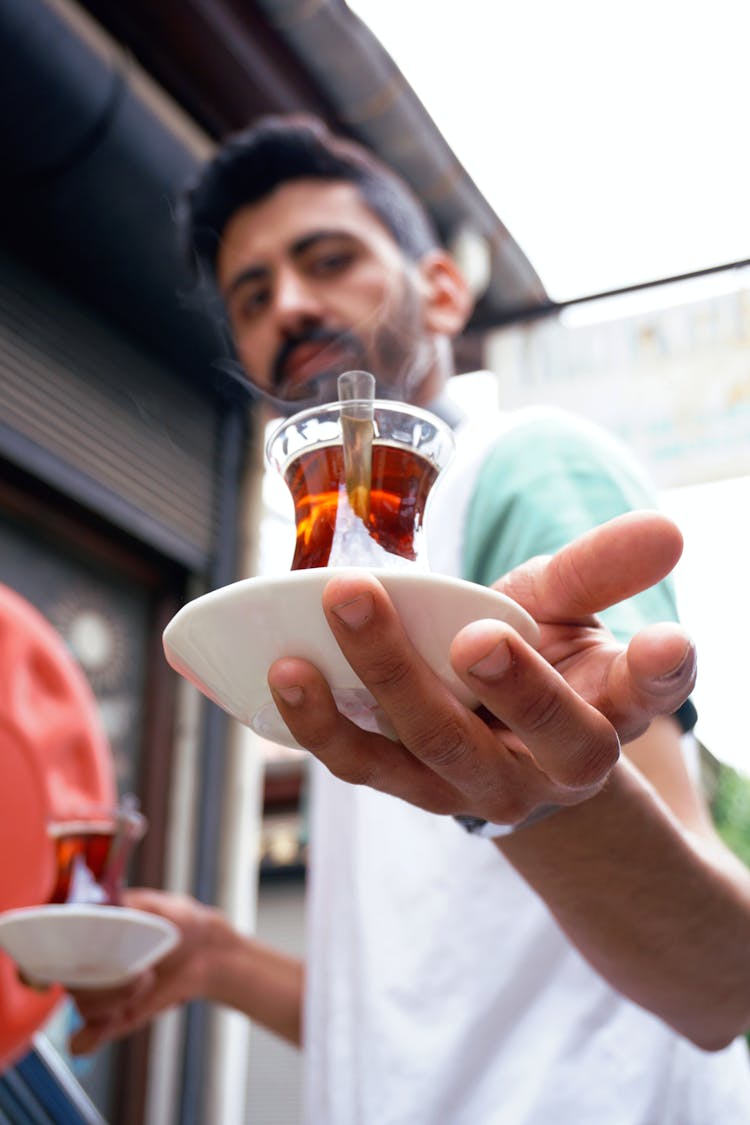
(376,404)
(80,826)
(97,821)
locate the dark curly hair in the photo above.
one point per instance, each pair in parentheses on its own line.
(277,149)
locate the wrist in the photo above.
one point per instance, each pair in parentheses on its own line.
(237,971)
(215,948)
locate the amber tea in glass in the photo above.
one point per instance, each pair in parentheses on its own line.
(100,842)
(89,842)
(409,449)
(401,482)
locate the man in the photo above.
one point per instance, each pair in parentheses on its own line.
(587,962)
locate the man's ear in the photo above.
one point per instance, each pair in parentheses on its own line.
(447,298)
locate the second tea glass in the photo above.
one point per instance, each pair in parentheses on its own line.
(92,850)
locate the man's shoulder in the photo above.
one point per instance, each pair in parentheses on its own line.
(553,420)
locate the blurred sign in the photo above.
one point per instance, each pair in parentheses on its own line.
(673,382)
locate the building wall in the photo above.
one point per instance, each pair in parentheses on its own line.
(110,489)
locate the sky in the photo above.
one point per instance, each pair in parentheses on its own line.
(613,145)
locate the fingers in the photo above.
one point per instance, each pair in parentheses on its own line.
(174,907)
(549,731)
(654,676)
(606,565)
(110,1013)
(434,730)
(357,756)
(570,740)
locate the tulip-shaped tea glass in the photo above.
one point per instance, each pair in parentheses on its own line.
(360,474)
(361,504)
(92,849)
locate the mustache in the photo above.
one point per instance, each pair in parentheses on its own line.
(343,340)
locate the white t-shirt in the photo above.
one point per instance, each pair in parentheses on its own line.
(440,990)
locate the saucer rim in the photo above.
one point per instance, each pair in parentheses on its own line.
(169,936)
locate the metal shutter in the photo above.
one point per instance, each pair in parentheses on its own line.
(82,408)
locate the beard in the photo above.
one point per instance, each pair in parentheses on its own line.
(392,345)
(404,355)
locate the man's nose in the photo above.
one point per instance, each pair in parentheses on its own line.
(295,302)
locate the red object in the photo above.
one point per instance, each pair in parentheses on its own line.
(54,761)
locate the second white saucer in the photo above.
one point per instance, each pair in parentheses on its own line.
(85,946)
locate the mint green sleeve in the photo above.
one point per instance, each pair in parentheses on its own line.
(545,481)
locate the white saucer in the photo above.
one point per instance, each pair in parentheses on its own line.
(224,642)
(84,946)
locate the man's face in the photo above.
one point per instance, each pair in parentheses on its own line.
(315,285)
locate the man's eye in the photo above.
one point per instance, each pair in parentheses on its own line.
(250,303)
(331,263)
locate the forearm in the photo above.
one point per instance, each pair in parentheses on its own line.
(263,983)
(211,962)
(660,913)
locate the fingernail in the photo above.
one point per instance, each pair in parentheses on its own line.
(495,664)
(355,612)
(686,662)
(292,695)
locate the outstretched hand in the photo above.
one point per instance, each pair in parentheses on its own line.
(111,1013)
(212,962)
(550,723)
